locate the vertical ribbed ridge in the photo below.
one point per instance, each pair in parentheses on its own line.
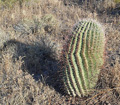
(84,58)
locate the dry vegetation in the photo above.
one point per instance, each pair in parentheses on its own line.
(31,40)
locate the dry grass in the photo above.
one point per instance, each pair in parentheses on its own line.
(98,5)
(31,40)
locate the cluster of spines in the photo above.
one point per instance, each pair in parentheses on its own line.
(84,58)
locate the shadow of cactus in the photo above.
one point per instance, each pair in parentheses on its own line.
(39,61)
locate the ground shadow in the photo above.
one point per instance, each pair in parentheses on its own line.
(39,61)
(93,6)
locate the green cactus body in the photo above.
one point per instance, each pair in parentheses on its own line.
(84,58)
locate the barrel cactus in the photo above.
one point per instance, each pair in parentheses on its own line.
(84,58)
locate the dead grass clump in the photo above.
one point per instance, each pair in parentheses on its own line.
(112,46)
(49,24)
(98,5)
(105,5)
(3,37)
(10,3)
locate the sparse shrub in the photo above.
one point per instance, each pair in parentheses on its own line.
(105,5)
(10,3)
(48,24)
(3,37)
(84,57)
(117,1)
(24,27)
(98,5)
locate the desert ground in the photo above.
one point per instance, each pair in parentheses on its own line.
(32,36)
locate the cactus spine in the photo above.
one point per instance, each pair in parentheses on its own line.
(84,58)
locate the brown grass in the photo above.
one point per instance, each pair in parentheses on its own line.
(31,41)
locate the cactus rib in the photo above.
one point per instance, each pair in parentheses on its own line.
(84,58)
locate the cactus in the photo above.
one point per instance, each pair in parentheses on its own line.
(84,57)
